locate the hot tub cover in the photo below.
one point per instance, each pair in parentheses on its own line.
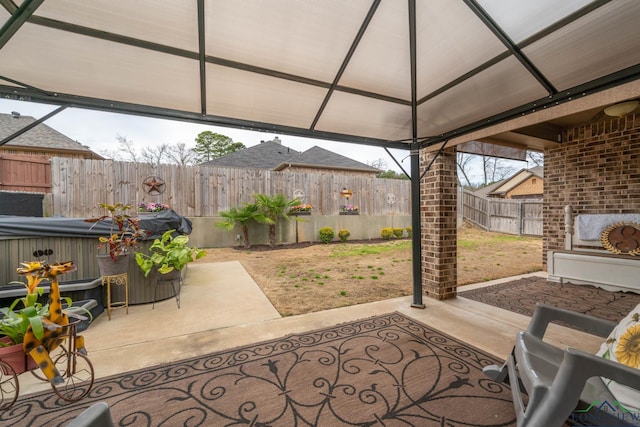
(77,227)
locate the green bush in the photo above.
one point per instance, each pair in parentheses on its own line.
(398,232)
(409,232)
(344,235)
(326,234)
(386,233)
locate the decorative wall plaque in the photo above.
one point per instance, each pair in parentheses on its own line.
(622,238)
(153,185)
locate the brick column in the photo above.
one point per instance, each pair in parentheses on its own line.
(438,198)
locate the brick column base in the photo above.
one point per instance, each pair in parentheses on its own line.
(438,210)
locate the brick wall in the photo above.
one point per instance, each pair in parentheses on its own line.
(438,197)
(596,170)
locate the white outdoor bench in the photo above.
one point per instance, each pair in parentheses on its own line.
(584,260)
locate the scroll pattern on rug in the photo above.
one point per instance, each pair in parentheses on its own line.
(386,370)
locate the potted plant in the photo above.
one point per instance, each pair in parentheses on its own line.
(301,210)
(26,316)
(167,254)
(151,208)
(349,210)
(124,235)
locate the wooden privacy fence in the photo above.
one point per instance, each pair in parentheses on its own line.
(20,172)
(79,185)
(502,215)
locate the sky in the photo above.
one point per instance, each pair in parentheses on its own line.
(98,131)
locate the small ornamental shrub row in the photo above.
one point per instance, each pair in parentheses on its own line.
(387,233)
(327,234)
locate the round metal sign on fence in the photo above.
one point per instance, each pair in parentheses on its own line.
(153,185)
(391,199)
(299,194)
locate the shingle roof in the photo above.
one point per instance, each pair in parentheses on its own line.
(41,136)
(319,157)
(266,155)
(517,179)
(275,156)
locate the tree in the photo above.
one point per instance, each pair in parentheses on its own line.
(126,148)
(240,218)
(181,154)
(464,163)
(495,169)
(154,155)
(211,145)
(391,174)
(273,207)
(378,164)
(535,157)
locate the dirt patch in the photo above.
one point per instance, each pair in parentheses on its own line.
(305,277)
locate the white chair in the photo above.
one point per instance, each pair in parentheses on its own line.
(96,415)
(559,381)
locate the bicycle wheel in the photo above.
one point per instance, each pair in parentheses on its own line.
(77,372)
(9,386)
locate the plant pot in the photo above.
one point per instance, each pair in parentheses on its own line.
(172,275)
(109,267)
(301,213)
(16,358)
(349,213)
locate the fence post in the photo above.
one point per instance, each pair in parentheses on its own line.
(521,220)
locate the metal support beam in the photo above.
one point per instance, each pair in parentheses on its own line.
(416,228)
(32,125)
(201,58)
(17,19)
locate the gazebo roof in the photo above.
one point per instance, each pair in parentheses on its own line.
(391,73)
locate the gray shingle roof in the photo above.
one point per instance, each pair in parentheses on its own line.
(319,157)
(41,136)
(266,155)
(275,156)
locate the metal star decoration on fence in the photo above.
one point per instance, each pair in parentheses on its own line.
(154,185)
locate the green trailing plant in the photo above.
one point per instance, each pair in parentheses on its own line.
(386,233)
(272,208)
(398,232)
(326,234)
(344,234)
(168,253)
(409,232)
(241,218)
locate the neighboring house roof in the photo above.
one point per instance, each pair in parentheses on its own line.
(275,156)
(41,137)
(517,179)
(484,191)
(317,157)
(266,155)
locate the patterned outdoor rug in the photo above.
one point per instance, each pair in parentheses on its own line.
(382,371)
(521,296)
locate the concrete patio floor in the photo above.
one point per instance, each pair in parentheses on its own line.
(222,308)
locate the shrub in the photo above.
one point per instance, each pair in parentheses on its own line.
(398,232)
(386,233)
(409,232)
(326,234)
(344,235)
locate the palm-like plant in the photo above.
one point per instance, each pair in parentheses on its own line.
(274,207)
(241,217)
